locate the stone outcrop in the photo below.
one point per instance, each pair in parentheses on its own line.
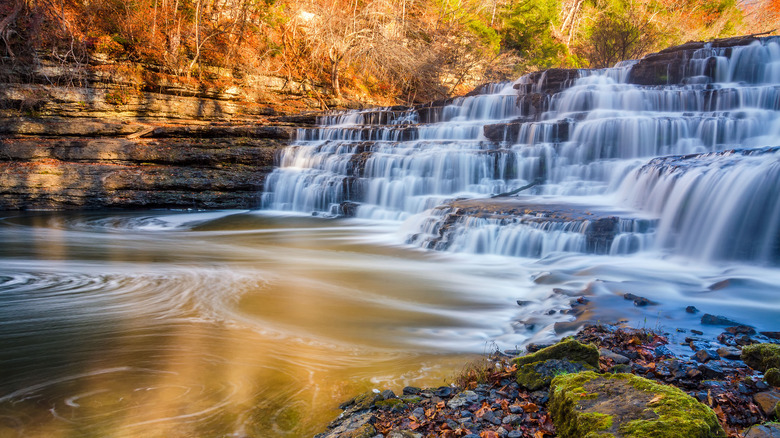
(93,164)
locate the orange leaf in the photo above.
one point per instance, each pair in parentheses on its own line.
(440,405)
(530,407)
(485,408)
(488,434)
(414,425)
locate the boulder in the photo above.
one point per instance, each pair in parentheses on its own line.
(761,357)
(592,405)
(568,349)
(538,375)
(769,430)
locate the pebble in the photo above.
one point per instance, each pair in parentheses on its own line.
(411,390)
(443,391)
(617,358)
(691,309)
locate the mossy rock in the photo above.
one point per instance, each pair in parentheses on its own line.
(568,349)
(594,405)
(761,357)
(772,376)
(538,375)
(394,404)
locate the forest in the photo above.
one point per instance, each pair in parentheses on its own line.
(395,51)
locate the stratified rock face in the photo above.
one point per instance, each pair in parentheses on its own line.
(593,405)
(191,167)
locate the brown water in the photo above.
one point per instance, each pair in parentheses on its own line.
(224,324)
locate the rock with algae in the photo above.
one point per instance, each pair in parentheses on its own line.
(762,357)
(592,405)
(536,371)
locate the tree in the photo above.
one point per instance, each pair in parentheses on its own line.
(620,30)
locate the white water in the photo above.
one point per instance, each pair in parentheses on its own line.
(594,145)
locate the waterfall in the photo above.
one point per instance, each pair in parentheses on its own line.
(608,166)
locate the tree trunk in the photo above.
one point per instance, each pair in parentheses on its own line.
(334,77)
(195,60)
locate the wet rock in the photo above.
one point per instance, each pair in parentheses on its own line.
(771,335)
(663,351)
(609,354)
(588,402)
(387,394)
(741,330)
(411,390)
(463,399)
(522,303)
(706,355)
(711,371)
(354,426)
(639,301)
(729,352)
(769,430)
(443,391)
(708,319)
(768,402)
(691,309)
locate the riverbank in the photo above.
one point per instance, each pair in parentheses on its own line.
(607,380)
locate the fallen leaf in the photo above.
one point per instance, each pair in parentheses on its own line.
(484,409)
(488,434)
(530,407)
(656,399)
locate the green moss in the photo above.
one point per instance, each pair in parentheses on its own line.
(567,349)
(365,400)
(538,375)
(411,398)
(590,404)
(761,357)
(772,376)
(395,404)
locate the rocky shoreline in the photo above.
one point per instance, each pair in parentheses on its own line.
(606,381)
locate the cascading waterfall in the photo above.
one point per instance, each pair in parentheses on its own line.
(686,167)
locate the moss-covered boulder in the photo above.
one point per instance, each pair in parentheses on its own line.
(536,371)
(772,376)
(538,375)
(592,405)
(761,357)
(568,349)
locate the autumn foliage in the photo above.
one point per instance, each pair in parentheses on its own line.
(405,50)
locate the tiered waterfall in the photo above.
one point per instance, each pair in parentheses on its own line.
(609,162)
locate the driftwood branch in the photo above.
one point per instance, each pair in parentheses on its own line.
(535,182)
